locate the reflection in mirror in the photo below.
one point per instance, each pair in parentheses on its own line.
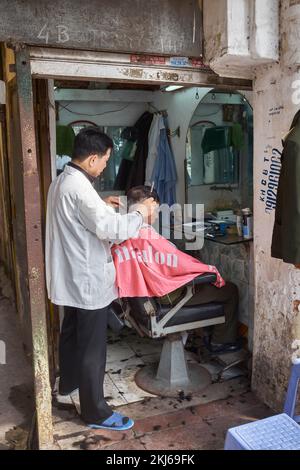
(106,181)
(66,134)
(218,137)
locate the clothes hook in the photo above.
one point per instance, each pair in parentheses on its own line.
(197,95)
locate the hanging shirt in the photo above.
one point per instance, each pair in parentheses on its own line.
(164,172)
(80,229)
(153,141)
(151,266)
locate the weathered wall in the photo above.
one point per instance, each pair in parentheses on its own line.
(276,98)
(239,34)
(171,27)
(5,209)
(277,317)
(6,254)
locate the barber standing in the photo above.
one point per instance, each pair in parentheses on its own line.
(80,273)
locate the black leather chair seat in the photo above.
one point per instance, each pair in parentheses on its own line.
(187,314)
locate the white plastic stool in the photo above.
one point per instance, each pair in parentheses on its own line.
(278,432)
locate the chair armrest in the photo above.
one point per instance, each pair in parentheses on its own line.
(207,278)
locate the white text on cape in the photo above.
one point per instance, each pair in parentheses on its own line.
(148,256)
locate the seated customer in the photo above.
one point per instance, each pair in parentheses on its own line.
(151,266)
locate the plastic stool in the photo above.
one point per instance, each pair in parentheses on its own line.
(291,396)
(278,432)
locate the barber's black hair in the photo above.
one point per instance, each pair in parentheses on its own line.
(90,141)
(140,193)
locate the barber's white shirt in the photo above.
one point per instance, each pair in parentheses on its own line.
(80,229)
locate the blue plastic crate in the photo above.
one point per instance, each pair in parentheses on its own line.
(278,432)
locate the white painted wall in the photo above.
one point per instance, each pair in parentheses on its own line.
(103,107)
(239,34)
(264,38)
(114,114)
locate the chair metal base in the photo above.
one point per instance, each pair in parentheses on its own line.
(146,378)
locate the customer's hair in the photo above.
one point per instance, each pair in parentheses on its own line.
(140,193)
(90,141)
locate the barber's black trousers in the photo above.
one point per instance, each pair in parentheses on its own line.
(82,359)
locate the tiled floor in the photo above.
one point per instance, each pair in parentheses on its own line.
(127,353)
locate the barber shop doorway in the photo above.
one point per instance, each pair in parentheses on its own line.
(75,90)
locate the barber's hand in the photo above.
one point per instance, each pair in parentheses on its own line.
(113,201)
(297,266)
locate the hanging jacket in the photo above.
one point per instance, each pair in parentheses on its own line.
(153,140)
(286,232)
(164,173)
(151,266)
(138,169)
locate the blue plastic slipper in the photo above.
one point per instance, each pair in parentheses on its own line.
(116,422)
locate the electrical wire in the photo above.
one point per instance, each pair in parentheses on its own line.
(207,115)
(98,114)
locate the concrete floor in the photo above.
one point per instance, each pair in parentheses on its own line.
(16,391)
(168,424)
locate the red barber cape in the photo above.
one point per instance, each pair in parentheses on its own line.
(151,266)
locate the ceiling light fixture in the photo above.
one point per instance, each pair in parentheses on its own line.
(172,87)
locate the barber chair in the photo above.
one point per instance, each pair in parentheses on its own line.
(173,373)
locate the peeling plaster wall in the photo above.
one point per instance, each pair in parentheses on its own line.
(277,285)
(214,28)
(276,98)
(239,34)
